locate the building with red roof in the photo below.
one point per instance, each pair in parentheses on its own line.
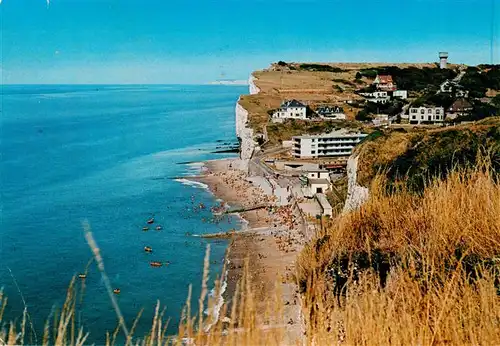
(384,82)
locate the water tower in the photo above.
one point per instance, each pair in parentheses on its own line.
(443,59)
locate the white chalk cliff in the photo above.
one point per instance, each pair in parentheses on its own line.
(245,133)
(251,84)
(356,194)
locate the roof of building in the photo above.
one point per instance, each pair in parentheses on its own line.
(338,133)
(384,79)
(323,201)
(460,105)
(317,170)
(329,109)
(291,103)
(319,181)
(426,106)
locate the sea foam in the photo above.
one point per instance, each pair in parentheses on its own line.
(192,183)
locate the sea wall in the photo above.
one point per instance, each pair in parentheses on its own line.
(356,194)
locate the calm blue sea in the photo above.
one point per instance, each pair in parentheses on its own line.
(107,154)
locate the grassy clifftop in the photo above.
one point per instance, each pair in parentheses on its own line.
(324,83)
(413,156)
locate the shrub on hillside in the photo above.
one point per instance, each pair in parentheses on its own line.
(320,68)
(413,78)
(414,157)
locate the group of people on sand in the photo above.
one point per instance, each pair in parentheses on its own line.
(248,194)
(282,218)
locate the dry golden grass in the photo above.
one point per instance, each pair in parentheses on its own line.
(431,296)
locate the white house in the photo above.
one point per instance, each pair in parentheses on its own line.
(426,114)
(331,112)
(379,99)
(402,94)
(333,144)
(315,181)
(291,109)
(377,96)
(318,174)
(380,119)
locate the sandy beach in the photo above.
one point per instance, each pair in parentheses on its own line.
(271,242)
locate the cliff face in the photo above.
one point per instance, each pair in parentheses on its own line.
(245,134)
(356,194)
(253,88)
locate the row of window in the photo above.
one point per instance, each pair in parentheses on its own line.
(290,114)
(429,118)
(347,151)
(429,110)
(320,140)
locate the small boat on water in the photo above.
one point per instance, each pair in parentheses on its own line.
(82,276)
(148,249)
(116,291)
(145,228)
(155,264)
(152,220)
(159,227)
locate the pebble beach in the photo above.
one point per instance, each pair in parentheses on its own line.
(270,241)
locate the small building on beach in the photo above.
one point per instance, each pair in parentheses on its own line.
(315,181)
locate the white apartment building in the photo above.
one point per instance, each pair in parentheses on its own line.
(402,94)
(426,114)
(336,143)
(291,109)
(382,100)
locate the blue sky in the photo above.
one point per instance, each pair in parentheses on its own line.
(197,41)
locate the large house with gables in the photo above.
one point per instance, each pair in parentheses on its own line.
(290,109)
(384,82)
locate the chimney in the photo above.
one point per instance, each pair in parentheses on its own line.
(443,59)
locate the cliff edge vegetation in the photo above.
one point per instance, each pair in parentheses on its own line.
(413,156)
